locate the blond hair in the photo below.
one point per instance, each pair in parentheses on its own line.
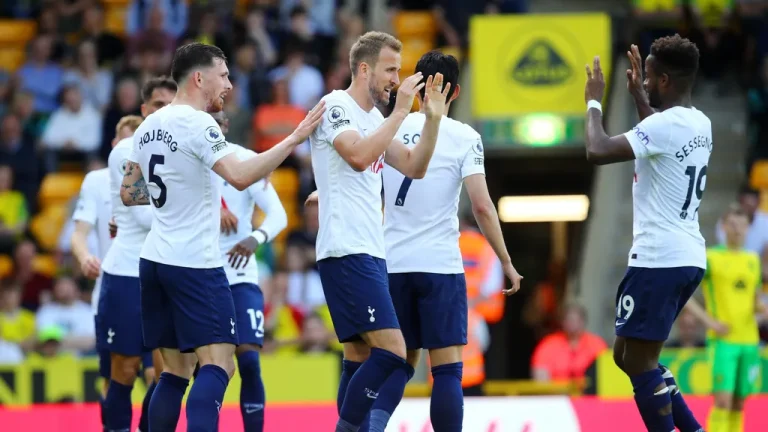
(367,47)
(734,209)
(131,121)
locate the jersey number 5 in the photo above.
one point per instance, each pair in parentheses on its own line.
(154,178)
(693,180)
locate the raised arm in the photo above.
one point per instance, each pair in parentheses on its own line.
(134,191)
(635,84)
(601,148)
(413,162)
(241,174)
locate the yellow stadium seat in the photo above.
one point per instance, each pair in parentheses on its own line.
(758,177)
(45,264)
(6,266)
(114,18)
(59,188)
(286,183)
(413,49)
(12,57)
(46,226)
(414,23)
(115,3)
(17,32)
(454,51)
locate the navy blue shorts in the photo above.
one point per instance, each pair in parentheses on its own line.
(185,308)
(649,300)
(431,308)
(249,311)
(105,364)
(119,329)
(357,293)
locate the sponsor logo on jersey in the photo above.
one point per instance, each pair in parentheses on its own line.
(541,65)
(219,146)
(641,135)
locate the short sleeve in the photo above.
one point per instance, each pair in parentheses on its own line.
(210,143)
(474,159)
(650,137)
(338,118)
(86,209)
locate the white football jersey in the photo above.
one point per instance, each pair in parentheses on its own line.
(350,201)
(176,147)
(94,207)
(133,223)
(421,223)
(241,204)
(672,151)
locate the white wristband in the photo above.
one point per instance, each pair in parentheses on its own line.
(594,104)
(259,236)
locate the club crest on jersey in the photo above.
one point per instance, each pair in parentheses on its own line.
(377,166)
(213,134)
(337,116)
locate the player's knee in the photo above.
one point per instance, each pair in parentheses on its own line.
(125,369)
(149,375)
(221,355)
(725,401)
(387,339)
(244,348)
(413,357)
(447,355)
(357,351)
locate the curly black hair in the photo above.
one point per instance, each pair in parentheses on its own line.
(677,57)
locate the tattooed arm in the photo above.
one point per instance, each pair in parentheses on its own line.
(134,189)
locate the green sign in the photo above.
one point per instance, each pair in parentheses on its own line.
(533,130)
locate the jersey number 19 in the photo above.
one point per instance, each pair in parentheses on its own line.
(696,181)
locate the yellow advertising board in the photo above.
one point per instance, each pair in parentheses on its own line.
(287,378)
(691,368)
(523,64)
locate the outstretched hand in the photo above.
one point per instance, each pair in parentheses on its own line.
(407,91)
(595,87)
(435,96)
(310,122)
(635,73)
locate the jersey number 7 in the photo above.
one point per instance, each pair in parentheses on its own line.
(154,178)
(693,179)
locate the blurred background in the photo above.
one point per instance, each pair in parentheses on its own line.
(70,69)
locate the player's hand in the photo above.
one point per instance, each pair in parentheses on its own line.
(595,87)
(112,228)
(242,252)
(407,91)
(312,199)
(228,221)
(91,267)
(635,74)
(309,124)
(511,273)
(720,328)
(435,96)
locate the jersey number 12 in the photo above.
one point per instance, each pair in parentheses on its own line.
(154,178)
(696,181)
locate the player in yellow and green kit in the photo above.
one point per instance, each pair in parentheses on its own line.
(731,288)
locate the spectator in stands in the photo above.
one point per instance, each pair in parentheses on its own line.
(315,336)
(174,20)
(48,24)
(282,322)
(127,101)
(49,341)
(18,151)
(10,353)
(690,333)
(757,236)
(654,20)
(14,213)
(32,123)
(256,30)
(238,118)
(453,19)
(315,23)
(566,355)
(109,47)
(5,91)
(72,131)
(305,291)
(35,286)
(95,84)
(153,39)
(274,121)
(250,74)
(207,32)
(41,76)
(305,82)
(719,40)
(71,314)
(306,236)
(17,325)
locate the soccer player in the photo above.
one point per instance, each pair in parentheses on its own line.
(186,303)
(421,233)
(349,150)
(671,148)
(93,210)
(120,305)
(237,247)
(732,286)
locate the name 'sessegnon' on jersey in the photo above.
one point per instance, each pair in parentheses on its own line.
(672,150)
(421,224)
(176,147)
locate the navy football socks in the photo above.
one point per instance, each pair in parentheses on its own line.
(252,397)
(165,405)
(650,402)
(390,395)
(363,388)
(348,369)
(144,419)
(681,414)
(117,407)
(205,399)
(446,408)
